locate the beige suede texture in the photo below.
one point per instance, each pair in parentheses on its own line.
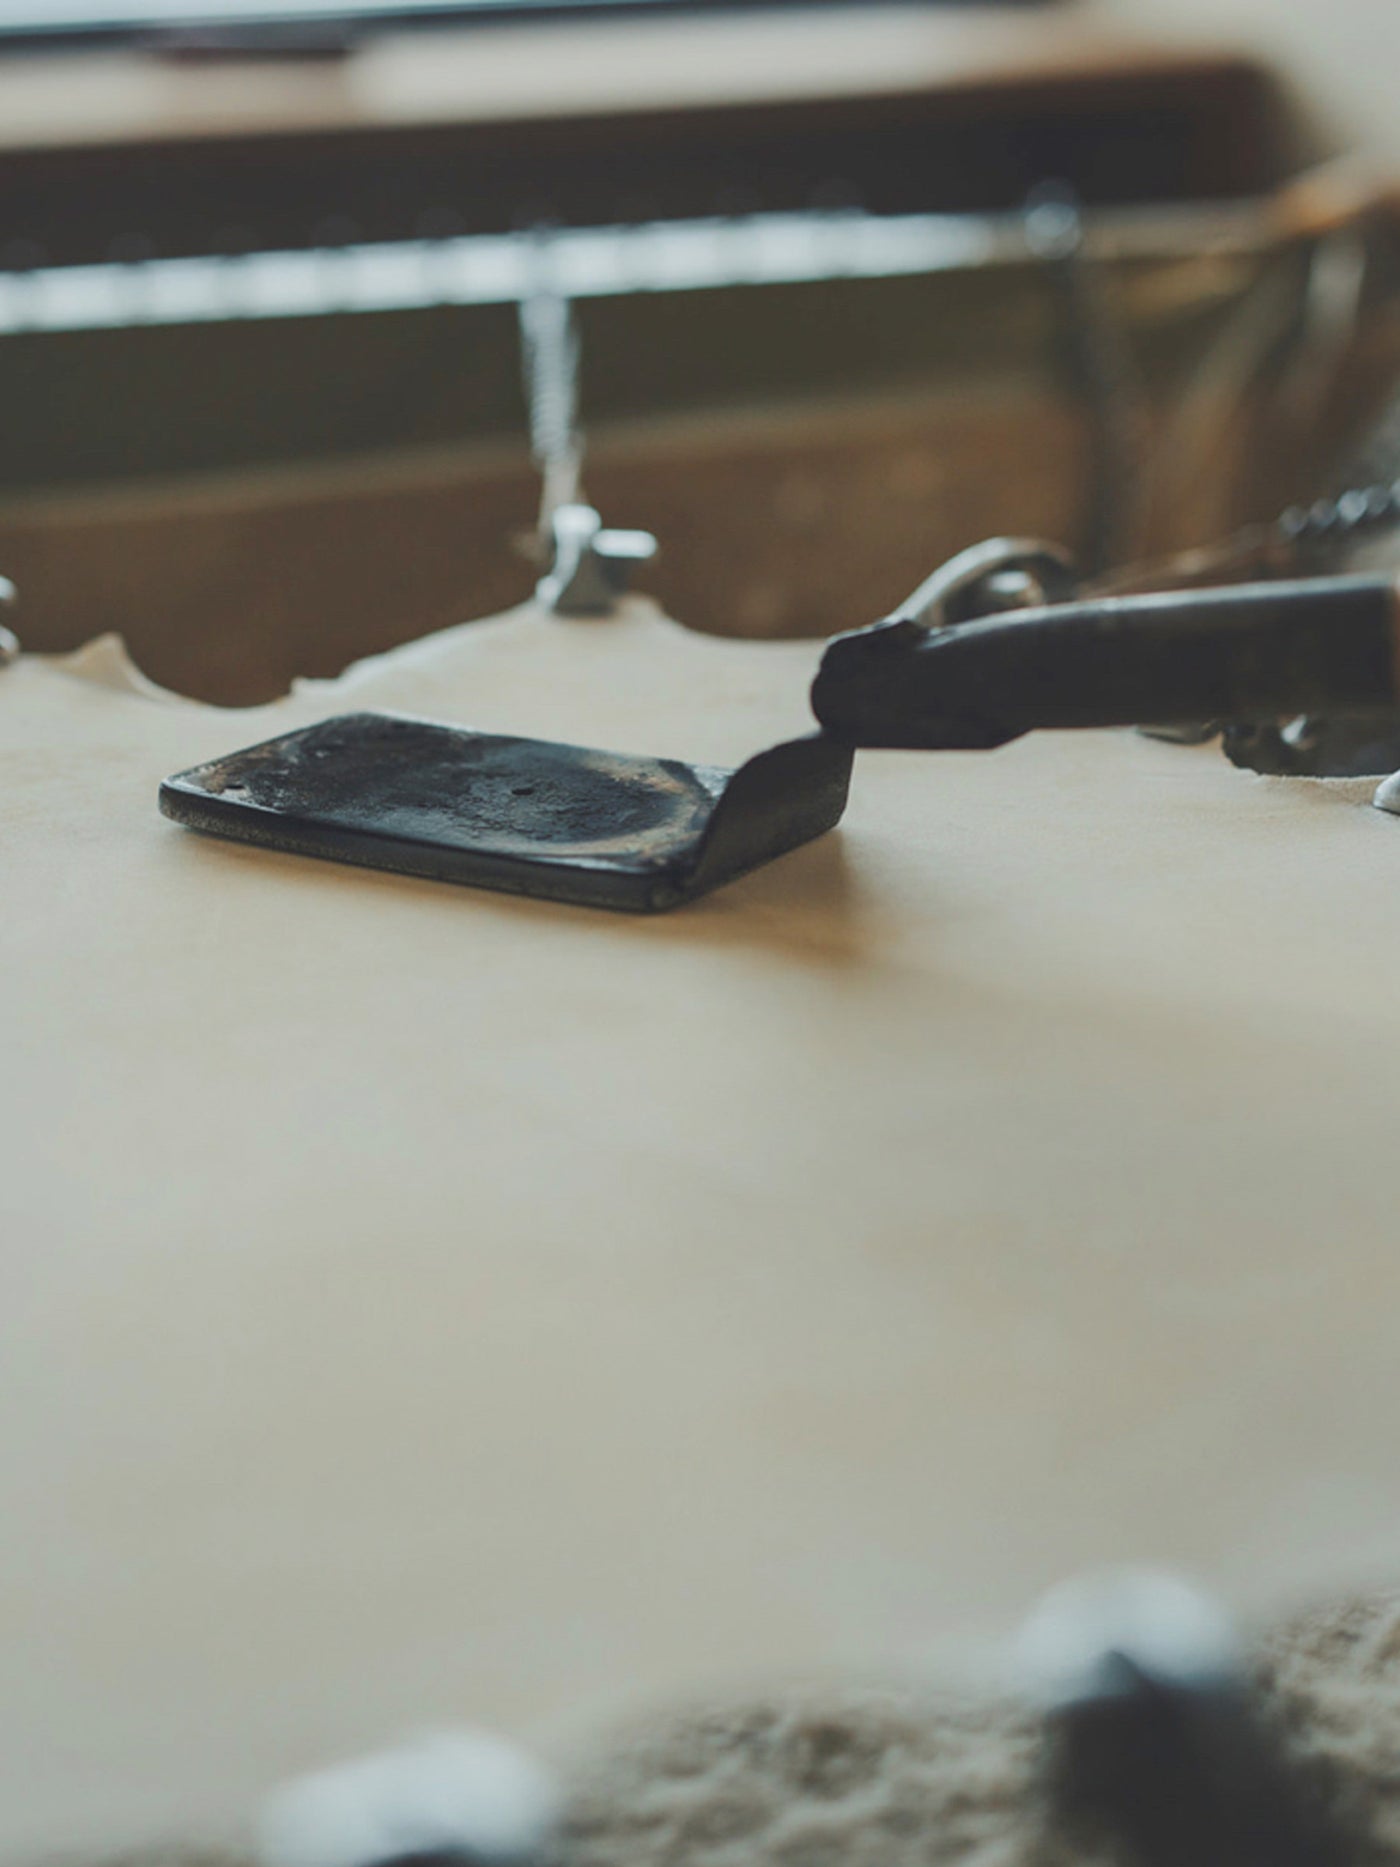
(424,1306)
(871,1778)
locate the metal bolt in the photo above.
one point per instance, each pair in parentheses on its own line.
(9,641)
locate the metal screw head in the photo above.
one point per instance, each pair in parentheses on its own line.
(1169,1632)
(591,565)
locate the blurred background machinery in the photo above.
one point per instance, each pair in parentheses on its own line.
(258,291)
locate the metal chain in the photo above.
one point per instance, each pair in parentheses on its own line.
(1352,518)
(1368,506)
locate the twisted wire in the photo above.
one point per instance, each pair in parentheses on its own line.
(550,359)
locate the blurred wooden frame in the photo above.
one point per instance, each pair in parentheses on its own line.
(247,504)
(800,515)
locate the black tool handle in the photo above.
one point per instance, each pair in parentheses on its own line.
(1251,651)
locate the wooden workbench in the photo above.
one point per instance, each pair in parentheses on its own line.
(420,1304)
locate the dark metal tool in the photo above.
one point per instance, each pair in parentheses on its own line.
(525,815)
(1251,651)
(981,654)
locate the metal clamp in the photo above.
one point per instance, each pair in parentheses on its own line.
(590,565)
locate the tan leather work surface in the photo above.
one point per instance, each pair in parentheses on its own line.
(417,1303)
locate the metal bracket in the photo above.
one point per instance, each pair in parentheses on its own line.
(591,565)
